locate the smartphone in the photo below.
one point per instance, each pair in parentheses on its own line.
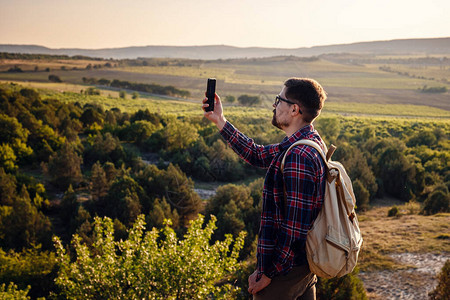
(210,93)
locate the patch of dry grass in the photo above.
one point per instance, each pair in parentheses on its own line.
(408,232)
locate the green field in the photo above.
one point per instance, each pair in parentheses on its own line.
(346,78)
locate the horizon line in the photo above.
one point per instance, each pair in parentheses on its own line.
(224,45)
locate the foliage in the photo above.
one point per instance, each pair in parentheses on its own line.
(150,265)
(22,224)
(11,292)
(64,167)
(54,78)
(248,100)
(173,186)
(348,287)
(393,212)
(437,201)
(237,208)
(32,268)
(436,89)
(442,290)
(89,137)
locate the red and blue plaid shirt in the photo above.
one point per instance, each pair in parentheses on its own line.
(284,223)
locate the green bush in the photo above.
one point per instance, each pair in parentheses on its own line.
(348,287)
(150,265)
(11,292)
(32,270)
(437,201)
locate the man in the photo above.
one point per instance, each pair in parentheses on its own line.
(292,198)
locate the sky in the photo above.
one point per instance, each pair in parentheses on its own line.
(95,24)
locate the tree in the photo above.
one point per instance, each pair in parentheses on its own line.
(174,186)
(91,116)
(99,182)
(64,167)
(135,95)
(122,201)
(247,100)
(149,264)
(7,158)
(31,269)
(230,99)
(236,211)
(179,135)
(92,91)
(54,78)
(138,131)
(122,94)
(13,134)
(21,224)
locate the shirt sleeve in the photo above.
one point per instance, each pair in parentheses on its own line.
(247,149)
(276,254)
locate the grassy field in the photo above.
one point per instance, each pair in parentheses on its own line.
(110,98)
(344,81)
(409,232)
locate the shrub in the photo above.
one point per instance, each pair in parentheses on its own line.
(394,212)
(348,287)
(54,78)
(442,290)
(434,89)
(92,91)
(437,201)
(13,293)
(150,265)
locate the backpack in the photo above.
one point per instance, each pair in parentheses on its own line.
(334,240)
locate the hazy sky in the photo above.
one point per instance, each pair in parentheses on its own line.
(265,23)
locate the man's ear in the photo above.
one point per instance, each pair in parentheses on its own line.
(296,108)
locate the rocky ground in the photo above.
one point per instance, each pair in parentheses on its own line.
(414,282)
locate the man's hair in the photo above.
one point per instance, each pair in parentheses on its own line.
(307,92)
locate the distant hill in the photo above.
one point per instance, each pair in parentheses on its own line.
(397,47)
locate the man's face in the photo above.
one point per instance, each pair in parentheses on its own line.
(281,113)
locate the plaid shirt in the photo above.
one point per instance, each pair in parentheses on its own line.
(282,233)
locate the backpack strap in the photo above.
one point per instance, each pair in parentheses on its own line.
(325,158)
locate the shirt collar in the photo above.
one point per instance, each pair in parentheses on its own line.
(298,135)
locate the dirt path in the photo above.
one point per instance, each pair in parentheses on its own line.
(412,283)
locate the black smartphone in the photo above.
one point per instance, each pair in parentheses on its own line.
(210,93)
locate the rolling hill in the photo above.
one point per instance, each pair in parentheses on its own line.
(397,47)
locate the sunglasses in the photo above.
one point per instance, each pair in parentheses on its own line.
(278,98)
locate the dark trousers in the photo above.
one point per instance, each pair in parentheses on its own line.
(298,284)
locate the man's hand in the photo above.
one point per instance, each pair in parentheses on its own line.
(215,116)
(256,286)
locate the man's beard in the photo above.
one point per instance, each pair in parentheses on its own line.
(277,123)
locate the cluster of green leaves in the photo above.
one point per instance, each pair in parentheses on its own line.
(149,265)
(11,292)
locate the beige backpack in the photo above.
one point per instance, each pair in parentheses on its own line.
(334,240)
